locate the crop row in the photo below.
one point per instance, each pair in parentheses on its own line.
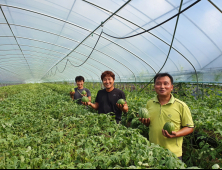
(41,127)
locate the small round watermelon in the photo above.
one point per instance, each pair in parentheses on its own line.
(83,92)
(143,113)
(85,99)
(169,127)
(121,101)
(72,90)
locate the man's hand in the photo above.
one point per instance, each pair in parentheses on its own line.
(122,107)
(72,93)
(87,103)
(166,134)
(182,132)
(145,121)
(94,106)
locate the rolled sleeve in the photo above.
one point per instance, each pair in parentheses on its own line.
(187,120)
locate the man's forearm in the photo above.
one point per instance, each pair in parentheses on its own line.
(94,106)
(72,96)
(125,109)
(184,131)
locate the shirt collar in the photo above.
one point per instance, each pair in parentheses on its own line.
(172,99)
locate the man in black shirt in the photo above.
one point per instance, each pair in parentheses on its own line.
(106,99)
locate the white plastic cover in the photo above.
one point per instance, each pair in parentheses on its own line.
(42,40)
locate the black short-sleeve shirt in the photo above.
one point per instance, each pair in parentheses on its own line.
(107,102)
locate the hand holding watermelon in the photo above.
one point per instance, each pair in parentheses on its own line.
(85,101)
(168,130)
(166,134)
(84,93)
(72,91)
(145,121)
(144,116)
(122,105)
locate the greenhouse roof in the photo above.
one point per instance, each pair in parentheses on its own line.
(54,40)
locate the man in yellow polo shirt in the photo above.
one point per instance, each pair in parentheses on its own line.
(165,108)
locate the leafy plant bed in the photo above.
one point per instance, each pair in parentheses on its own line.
(44,128)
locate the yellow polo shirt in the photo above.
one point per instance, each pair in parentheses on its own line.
(174,111)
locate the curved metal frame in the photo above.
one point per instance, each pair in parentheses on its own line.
(39,58)
(55,56)
(74,41)
(141,35)
(81,73)
(9,71)
(215,6)
(53,74)
(65,48)
(201,68)
(15,39)
(161,39)
(92,66)
(153,20)
(12,79)
(46,54)
(60,75)
(39,41)
(212,61)
(89,35)
(33,46)
(48,78)
(77,59)
(100,63)
(172,47)
(66,20)
(13,65)
(81,28)
(181,2)
(49,59)
(201,30)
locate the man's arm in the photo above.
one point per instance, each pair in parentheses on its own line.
(72,95)
(94,106)
(145,121)
(88,96)
(123,107)
(185,122)
(182,132)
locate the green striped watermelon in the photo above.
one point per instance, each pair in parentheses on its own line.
(85,99)
(83,92)
(169,127)
(121,101)
(143,113)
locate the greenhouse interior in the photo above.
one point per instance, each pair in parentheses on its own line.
(46,45)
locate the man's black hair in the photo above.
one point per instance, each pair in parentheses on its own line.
(163,75)
(79,78)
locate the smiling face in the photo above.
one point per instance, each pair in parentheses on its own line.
(163,86)
(108,82)
(80,84)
